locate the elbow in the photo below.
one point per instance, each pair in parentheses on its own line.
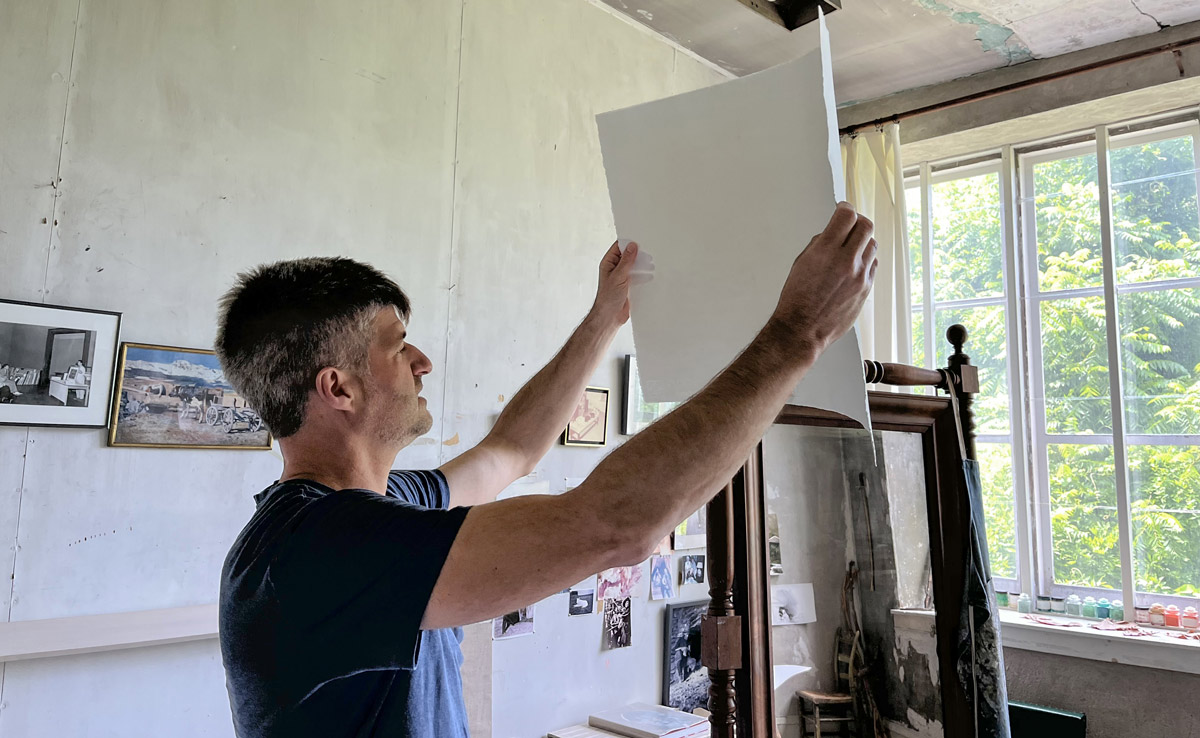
(631,544)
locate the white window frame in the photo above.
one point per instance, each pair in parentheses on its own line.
(1022,298)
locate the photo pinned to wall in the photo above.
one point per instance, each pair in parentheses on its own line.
(171,397)
(774,554)
(662,583)
(619,581)
(637,414)
(56,364)
(617,623)
(693,532)
(513,625)
(692,569)
(581,602)
(589,421)
(792,604)
(685,679)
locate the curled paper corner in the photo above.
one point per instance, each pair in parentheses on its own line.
(643,266)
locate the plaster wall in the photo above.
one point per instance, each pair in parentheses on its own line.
(152,152)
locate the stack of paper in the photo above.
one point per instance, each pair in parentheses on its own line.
(640,720)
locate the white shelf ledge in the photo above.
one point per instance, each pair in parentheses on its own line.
(37,639)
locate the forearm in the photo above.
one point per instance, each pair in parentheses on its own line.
(539,412)
(676,465)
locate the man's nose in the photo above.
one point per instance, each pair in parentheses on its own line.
(422,365)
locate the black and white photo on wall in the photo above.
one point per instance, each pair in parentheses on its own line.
(617,623)
(56,364)
(685,680)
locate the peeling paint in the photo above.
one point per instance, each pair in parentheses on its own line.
(992,36)
(451,441)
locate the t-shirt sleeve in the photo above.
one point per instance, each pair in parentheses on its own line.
(427,488)
(358,575)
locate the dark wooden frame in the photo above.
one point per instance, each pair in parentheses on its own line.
(736,632)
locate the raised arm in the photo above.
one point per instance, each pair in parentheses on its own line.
(514,552)
(539,412)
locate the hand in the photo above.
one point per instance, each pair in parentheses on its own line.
(829,281)
(616,275)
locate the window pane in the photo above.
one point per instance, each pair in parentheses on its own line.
(986,345)
(966,238)
(1066,200)
(1154,211)
(995,462)
(1160,340)
(918,334)
(1164,497)
(1075,366)
(912,202)
(1083,516)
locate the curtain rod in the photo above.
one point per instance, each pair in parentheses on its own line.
(1173,47)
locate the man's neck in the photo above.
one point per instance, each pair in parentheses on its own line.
(336,465)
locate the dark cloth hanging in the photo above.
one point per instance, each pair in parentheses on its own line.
(980,659)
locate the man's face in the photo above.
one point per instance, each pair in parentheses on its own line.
(395,408)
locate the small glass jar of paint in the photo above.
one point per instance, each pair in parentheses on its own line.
(1190,618)
(1171,616)
(1074,606)
(1002,599)
(1102,608)
(1024,603)
(1157,614)
(1117,611)
(1058,606)
(1141,615)
(1089,607)
(1043,603)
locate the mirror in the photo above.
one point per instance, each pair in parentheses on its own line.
(831,498)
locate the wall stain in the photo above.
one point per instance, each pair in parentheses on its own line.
(451,441)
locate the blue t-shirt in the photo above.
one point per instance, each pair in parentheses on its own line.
(322,597)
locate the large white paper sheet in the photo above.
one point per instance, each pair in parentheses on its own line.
(722,188)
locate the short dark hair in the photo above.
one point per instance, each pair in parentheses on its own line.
(282,323)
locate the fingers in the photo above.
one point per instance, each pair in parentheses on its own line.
(840,223)
(628,258)
(870,252)
(860,237)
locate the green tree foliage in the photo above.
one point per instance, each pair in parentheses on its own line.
(1154,206)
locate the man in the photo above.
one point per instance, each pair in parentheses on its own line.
(342,598)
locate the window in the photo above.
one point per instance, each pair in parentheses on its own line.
(1092,472)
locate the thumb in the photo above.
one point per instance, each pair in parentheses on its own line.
(625,267)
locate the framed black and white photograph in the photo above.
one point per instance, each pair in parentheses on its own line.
(637,414)
(172,397)
(691,569)
(685,679)
(56,364)
(581,602)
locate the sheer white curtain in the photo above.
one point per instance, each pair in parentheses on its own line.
(875,187)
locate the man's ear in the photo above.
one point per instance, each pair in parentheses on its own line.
(336,388)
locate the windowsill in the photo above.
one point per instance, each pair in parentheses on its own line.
(1153,652)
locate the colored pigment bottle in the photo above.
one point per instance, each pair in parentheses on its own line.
(1102,608)
(1024,603)
(1117,612)
(1074,606)
(1002,599)
(1058,606)
(1171,616)
(1141,615)
(1089,607)
(1043,603)
(1157,616)
(1190,618)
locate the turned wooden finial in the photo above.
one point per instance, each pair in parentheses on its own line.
(957,336)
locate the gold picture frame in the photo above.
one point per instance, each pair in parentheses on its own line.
(588,425)
(175,397)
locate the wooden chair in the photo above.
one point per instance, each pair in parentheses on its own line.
(837,705)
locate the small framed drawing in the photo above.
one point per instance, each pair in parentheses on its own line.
(171,397)
(589,422)
(685,680)
(637,414)
(56,364)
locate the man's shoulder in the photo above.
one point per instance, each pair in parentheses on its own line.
(423,487)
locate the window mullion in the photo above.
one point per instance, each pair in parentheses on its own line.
(927,259)
(1017,422)
(1115,379)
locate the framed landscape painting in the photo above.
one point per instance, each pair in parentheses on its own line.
(171,397)
(56,364)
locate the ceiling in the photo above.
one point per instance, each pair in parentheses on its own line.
(885,46)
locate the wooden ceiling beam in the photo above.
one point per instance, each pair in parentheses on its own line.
(791,14)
